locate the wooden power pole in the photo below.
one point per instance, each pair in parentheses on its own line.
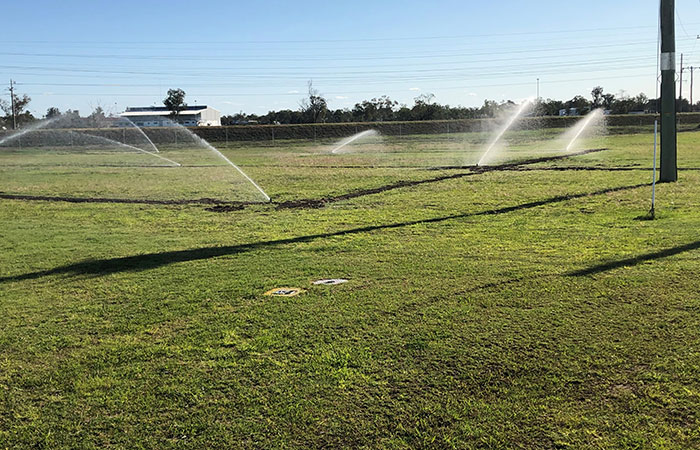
(12,101)
(669,164)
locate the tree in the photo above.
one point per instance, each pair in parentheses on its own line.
(97,118)
(549,107)
(314,108)
(489,109)
(641,102)
(597,95)
(175,102)
(424,108)
(20,109)
(53,112)
(608,101)
(375,110)
(580,103)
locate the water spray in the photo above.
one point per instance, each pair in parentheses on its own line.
(120,144)
(31,128)
(222,156)
(155,149)
(596,113)
(504,129)
(353,138)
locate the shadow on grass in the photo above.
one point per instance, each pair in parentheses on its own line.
(154,260)
(629,262)
(473,170)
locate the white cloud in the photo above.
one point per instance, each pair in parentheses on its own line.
(414,89)
(341,97)
(472,94)
(292,92)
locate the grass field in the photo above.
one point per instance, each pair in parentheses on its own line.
(528,308)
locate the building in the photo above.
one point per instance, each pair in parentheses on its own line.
(160,116)
(569,112)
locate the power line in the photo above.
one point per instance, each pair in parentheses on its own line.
(391,39)
(296,58)
(348,74)
(367,92)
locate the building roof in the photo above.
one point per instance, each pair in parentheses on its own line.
(136,111)
(157,113)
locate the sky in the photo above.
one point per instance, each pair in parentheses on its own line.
(259,56)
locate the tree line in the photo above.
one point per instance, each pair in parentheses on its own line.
(313,108)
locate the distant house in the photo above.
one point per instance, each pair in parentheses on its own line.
(569,112)
(160,116)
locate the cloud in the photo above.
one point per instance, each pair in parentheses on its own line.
(292,92)
(414,89)
(472,94)
(341,97)
(226,102)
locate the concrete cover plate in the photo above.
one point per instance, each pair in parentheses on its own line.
(331,282)
(284,292)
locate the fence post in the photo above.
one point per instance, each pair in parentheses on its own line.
(226,131)
(272,130)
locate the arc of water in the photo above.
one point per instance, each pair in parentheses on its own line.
(112,141)
(353,139)
(583,125)
(222,156)
(18,134)
(144,135)
(503,130)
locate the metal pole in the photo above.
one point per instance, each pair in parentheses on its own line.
(692,69)
(669,168)
(680,85)
(12,99)
(653,173)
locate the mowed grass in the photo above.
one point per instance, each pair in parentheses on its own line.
(510,309)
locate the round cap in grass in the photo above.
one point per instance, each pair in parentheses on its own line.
(330,282)
(284,292)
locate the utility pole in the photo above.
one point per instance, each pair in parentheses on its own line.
(669,160)
(12,100)
(692,69)
(680,85)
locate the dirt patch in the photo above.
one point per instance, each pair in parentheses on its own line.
(225,208)
(198,201)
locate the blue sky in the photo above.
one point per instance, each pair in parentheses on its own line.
(258,56)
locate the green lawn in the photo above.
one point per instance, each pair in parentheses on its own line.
(507,309)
